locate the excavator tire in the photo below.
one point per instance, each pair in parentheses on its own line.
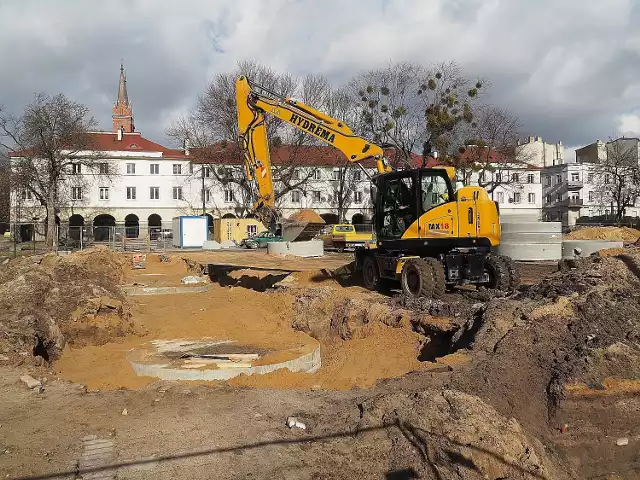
(514,273)
(370,273)
(417,278)
(439,282)
(499,276)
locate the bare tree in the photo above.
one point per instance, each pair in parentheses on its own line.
(212,133)
(412,108)
(52,141)
(617,176)
(491,150)
(341,190)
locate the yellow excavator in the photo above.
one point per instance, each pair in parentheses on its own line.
(427,236)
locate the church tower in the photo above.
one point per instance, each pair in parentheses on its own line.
(122,112)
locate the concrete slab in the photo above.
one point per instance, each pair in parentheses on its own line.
(531,237)
(584,248)
(134,291)
(311,248)
(532,227)
(159,359)
(530,251)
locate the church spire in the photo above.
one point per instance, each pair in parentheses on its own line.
(123,98)
(122,111)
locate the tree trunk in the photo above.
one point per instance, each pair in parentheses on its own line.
(52,237)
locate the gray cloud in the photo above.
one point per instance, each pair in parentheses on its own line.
(568,68)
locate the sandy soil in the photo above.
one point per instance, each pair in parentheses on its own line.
(621,234)
(251,318)
(373,410)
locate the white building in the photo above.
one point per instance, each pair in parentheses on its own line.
(141,186)
(573,188)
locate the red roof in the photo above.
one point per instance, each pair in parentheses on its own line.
(132,142)
(305,155)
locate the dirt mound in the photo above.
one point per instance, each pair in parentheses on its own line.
(452,435)
(306,215)
(620,234)
(530,346)
(49,301)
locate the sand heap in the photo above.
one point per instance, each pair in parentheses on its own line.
(620,234)
(49,301)
(306,215)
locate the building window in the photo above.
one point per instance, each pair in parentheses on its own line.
(27,195)
(104,193)
(590,178)
(532,198)
(252,230)
(131,192)
(295,175)
(295,196)
(531,178)
(315,196)
(76,168)
(177,193)
(607,178)
(548,180)
(335,175)
(575,177)
(76,193)
(205,195)
(177,169)
(591,197)
(154,168)
(191,168)
(516,197)
(357,175)
(558,197)
(548,199)
(206,170)
(558,179)
(228,196)
(515,177)
(357,197)
(131,168)
(103,168)
(481,177)
(154,193)
(498,177)
(316,174)
(500,197)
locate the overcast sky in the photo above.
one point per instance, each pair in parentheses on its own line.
(569,69)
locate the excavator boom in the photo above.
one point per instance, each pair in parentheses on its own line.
(254,101)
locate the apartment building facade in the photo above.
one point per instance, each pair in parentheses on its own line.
(577,187)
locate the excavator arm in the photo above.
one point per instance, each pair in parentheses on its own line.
(254,101)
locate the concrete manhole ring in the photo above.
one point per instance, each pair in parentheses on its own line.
(216,359)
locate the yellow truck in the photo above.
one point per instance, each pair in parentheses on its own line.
(343,236)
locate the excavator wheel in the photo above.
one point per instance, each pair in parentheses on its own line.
(419,280)
(514,273)
(439,281)
(370,273)
(499,275)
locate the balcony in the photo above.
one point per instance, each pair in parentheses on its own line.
(574,184)
(571,203)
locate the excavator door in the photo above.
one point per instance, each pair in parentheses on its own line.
(468,218)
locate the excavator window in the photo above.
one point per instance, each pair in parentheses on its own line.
(398,206)
(434,190)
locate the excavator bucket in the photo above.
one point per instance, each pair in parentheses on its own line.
(302,226)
